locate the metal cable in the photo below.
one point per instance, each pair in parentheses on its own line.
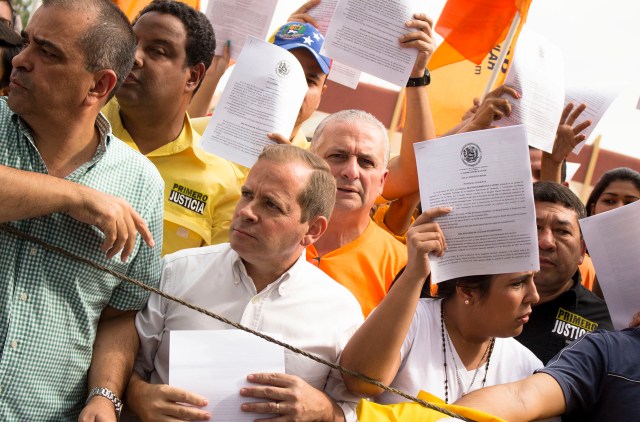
(15,232)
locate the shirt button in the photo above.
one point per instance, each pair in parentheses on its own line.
(34,250)
(23,297)
(14,344)
(255,300)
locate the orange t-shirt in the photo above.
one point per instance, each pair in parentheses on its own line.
(587,272)
(365,266)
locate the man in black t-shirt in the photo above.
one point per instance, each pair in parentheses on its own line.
(566,310)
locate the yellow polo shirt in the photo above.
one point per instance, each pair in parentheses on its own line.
(201,189)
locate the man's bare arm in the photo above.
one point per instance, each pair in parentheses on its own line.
(114,352)
(536,397)
(419,126)
(28,194)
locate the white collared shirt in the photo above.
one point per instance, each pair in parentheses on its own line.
(303,307)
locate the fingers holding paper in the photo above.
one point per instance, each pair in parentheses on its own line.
(421,38)
(278,138)
(162,402)
(493,107)
(425,237)
(301,14)
(288,396)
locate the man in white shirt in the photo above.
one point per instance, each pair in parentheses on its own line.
(262,280)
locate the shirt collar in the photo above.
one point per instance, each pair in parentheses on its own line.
(281,283)
(571,295)
(104,134)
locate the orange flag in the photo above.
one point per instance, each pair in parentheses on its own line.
(473,27)
(410,411)
(457,80)
(131,8)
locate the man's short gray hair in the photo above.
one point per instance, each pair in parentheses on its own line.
(352,117)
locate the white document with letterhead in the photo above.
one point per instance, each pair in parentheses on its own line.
(340,73)
(363,34)
(485,176)
(597,101)
(234,20)
(537,73)
(264,94)
(215,365)
(613,242)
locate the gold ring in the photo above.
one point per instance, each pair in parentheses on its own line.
(278,408)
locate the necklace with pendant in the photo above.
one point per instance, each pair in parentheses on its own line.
(446,341)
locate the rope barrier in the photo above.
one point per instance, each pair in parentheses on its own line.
(17,233)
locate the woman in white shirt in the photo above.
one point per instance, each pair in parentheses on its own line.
(449,345)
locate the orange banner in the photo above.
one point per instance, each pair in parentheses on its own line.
(456,80)
(473,27)
(131,8)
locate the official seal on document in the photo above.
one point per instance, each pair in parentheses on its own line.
(283,68)
(471,154)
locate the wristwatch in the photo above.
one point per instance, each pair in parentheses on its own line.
(421,81)
(106,393)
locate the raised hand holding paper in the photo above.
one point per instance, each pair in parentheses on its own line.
(263,95)
(236,20)
(486,178)
(363,34)
(537,73)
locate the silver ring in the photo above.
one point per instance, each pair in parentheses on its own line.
(278,408)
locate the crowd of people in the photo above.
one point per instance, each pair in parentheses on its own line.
(320,243)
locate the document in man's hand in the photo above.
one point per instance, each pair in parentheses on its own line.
(597,100)
(340,73)
(613,242)
(264,94)
(485,177)
(215,365)
(234,20)
(363,34)
(537,73)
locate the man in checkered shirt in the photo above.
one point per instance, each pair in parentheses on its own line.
(67,335)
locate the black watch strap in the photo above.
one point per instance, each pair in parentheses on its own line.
(421,81)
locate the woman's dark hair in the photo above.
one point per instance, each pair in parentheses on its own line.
(10,46)
(481,283)
(620,173)
(446,289)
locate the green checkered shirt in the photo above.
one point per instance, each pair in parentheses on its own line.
(50,305)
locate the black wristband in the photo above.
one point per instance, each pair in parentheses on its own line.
(421,81)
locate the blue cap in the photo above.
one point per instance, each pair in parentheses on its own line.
(303,35)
